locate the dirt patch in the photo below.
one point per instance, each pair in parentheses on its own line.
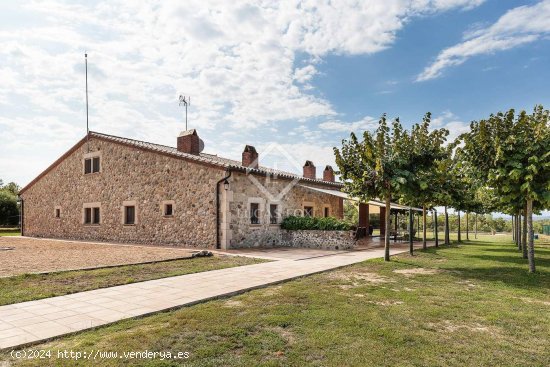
(537,301)
(233,303)
(359,276)
(386,303)
(271,291)
(448,326)
(33,255)
(288,336)
(416,271)
(468,284)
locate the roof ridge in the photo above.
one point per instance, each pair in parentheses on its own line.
(210,158)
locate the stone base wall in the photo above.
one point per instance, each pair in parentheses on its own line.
(276,237)
(324,240)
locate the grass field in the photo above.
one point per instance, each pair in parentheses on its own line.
(468,305)
(9,232)
(35,286)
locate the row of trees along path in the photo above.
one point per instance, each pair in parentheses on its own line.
(502,164)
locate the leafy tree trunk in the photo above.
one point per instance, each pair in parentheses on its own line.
(467,227)
(524,233)
(518,233)
(424,246)
(411,225)
(436,229)
(447,239)
(475,225)
(514,228)
(388,227)
(459,238)
(531,244)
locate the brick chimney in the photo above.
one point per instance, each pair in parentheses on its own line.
(328,174)
(188,142)
(309,170)
(250,157)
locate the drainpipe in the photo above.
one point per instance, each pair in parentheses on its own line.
(21,214)
(228,174)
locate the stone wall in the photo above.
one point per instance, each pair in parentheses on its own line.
(127,174)
(325,240)
(290,196)
(315,239)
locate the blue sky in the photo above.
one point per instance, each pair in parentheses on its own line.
(299,74)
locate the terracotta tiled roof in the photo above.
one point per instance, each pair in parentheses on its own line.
(208,158)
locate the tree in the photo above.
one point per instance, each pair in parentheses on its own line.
(377,167)
(9,211)
(11,187)
(512,153)
(428,149)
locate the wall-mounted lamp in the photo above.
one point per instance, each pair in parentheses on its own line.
(226,184)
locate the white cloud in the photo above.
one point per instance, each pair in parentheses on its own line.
(303,75)
(451,122)
(517,27)
(366,123)
(236,59)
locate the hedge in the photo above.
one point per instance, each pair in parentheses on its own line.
(323,224)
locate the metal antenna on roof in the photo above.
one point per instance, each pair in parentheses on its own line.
(87,123)
(186,101)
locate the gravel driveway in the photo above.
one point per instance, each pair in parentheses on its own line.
(32,255)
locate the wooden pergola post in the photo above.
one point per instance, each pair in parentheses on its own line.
(395,227)
(382,221)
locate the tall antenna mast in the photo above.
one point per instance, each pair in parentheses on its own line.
(185,101)
(87,123)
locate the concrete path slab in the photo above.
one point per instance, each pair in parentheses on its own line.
(35,321)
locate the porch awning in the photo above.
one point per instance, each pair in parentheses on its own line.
(343,195)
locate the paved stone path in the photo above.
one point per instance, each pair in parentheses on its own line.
(34,321)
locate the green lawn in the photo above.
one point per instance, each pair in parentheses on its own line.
(471,305)
(9,232)
(29,287)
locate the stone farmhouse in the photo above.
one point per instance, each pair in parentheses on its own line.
(108,188)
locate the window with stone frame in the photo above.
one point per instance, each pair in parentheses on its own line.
(92,215)
(168,210)
(92,165)
(308,211)
(129,215)
(254,213)
(326,212)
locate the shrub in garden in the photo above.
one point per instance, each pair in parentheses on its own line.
(323,224)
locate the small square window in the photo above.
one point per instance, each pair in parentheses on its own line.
(129,215)
(57,213)
(273,213)
(168,210)
(308,211)
(254,213)
(92,165)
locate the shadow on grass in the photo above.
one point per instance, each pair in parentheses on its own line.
(515,276)
(498,264)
